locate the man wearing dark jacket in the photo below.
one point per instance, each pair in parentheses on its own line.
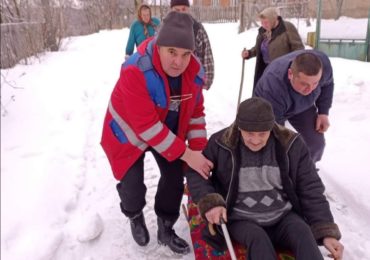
(264,184)
(276,37)
(300,86)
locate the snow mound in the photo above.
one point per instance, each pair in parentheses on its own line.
(90,227)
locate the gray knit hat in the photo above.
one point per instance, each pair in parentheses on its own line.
(179,2)
(255,115)
(177,31)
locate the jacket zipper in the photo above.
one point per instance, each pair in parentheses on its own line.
(232,171)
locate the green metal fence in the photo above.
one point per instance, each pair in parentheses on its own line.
(349,49)
(357,49)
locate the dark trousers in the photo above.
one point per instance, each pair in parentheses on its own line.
(305,124)
(170,189)
(290,233)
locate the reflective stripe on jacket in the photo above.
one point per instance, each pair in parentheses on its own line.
(138,108)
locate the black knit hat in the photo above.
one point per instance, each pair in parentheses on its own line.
(255,115)
(177,31)
(179,2)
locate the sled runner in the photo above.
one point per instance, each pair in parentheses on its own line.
(204,251)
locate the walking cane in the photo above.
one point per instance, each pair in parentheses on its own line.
(241,83)
(228,240)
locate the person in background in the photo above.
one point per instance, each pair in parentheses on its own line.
(254,10)
(264,185)
(203,48)
(300,87)
(142,28)
(275,38)
(157,106)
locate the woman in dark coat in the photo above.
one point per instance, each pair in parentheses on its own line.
(275,38)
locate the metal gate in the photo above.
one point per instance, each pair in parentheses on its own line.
(357,49)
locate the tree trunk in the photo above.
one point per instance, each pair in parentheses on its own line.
(242,16)
(339,9)
(50,41)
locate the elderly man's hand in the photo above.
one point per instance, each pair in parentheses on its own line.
(215,214)
(334,247)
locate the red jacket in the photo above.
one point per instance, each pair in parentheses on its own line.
(138,108)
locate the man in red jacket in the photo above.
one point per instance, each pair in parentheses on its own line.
(157,106)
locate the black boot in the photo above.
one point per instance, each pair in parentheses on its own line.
(168,237)
(139,231)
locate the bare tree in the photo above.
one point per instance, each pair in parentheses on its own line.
(49,27)
(242,16)
(137,3)
(339,9)
(10,11)
(18,34)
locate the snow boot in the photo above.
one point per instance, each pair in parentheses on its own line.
(168,237)
(139,230)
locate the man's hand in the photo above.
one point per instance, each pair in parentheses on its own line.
(322,123)
(334,247)
(197,161)
(126,57)
(215,214)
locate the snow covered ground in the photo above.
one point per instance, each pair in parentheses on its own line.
(58,196)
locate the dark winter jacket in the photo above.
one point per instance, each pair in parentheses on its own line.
(275,86)
(284,39)
(300,180)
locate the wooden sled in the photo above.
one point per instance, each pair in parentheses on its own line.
(204,251)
